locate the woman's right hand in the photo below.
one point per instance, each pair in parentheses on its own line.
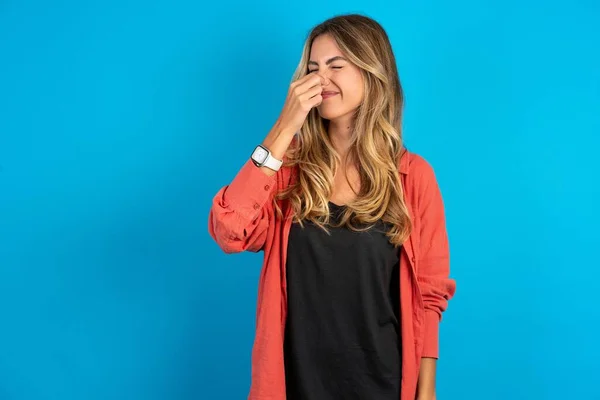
(303,95)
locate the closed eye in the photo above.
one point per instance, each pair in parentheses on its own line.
(314,70)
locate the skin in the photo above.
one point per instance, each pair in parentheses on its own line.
(340,75)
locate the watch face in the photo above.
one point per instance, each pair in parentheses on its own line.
(260,155)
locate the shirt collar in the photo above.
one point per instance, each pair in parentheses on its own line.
(404,160)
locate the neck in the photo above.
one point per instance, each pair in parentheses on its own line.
(340,133)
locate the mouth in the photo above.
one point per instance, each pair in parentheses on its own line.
(327,95)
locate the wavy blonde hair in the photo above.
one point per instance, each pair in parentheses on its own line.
(376,144)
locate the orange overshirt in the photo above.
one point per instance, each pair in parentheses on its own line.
(242,218)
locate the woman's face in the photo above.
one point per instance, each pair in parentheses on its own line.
(341,77)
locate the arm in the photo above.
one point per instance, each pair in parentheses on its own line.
(239,216)
(240,212)
(426,382)
(433,266)
(433,269)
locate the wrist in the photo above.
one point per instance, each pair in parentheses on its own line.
(278,141)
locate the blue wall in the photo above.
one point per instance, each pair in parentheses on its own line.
(113,113)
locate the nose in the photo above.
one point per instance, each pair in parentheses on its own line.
(325,79)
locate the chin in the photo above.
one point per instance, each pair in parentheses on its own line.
(329,115)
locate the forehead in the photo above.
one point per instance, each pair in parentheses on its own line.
(324,46)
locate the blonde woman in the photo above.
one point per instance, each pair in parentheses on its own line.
(356,265)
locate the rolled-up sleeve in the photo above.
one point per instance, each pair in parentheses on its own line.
(239,215)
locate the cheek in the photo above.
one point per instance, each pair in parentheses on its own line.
(352,86)
(353,92)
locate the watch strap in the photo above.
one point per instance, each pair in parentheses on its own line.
(272,163)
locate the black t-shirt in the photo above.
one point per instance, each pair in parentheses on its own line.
(342,336)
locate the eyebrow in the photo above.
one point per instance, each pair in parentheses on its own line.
(328,61)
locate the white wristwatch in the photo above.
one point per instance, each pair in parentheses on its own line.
(261,156)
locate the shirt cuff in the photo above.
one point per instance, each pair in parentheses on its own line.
(250,190)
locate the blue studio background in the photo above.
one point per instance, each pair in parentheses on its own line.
(120,120)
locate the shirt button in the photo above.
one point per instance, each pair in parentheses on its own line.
(267,187)
(256,206)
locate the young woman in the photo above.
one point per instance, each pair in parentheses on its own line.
(356,266)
